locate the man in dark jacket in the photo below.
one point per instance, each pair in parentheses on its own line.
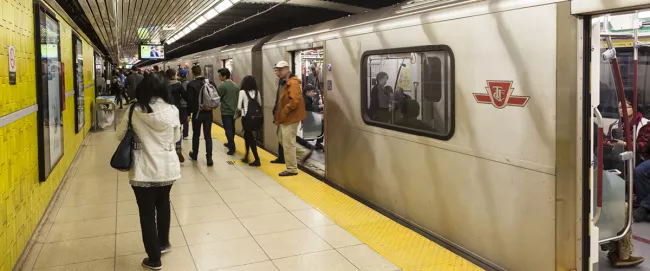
(132,82)
(199,116)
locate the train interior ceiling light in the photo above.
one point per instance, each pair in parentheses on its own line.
(210,13)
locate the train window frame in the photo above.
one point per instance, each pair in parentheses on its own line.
(415,49)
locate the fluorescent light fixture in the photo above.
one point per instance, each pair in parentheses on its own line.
(235,1)
(193,26)
(210,14)
(223,6)
(169,42)
(644,14)
(186,30)
(200,20)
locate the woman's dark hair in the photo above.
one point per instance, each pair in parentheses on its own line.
(152,86)
(224,72)
(307,89)
(170,73)
(248,83)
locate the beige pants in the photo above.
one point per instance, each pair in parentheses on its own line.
(287,136)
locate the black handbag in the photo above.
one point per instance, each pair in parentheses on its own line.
(123,157)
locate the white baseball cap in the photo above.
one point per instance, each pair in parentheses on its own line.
(281,64)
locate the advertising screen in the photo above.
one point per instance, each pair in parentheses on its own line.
(152,51)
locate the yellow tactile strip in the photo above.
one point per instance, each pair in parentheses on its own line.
(402,246)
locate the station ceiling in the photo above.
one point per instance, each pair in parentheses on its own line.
(118,26)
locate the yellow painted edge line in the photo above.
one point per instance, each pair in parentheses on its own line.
(400,245)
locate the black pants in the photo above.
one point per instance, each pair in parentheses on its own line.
(204,120)
(251,143)
(153,204)
(229,127)
(186,127)
(118,100)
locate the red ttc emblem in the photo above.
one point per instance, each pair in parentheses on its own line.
(499,94)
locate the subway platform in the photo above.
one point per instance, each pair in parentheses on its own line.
(227,217)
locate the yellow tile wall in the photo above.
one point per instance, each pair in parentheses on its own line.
(23,199)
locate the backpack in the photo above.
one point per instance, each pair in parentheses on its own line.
(208,98)
(254,118)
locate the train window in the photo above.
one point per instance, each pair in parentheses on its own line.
(410,90)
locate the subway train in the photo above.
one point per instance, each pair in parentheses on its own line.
(485,143)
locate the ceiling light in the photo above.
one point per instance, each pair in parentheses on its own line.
(644,14)
(200,20)
(235,1)
(210,14)
(186,30)
(223,6)
(169,42)
(193,26)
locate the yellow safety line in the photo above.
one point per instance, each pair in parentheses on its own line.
(400,245)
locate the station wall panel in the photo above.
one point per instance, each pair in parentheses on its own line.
(23,199)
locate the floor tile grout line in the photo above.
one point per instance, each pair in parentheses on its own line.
(117,203)
(75,263)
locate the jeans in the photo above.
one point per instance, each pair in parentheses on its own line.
(229,127)
(642,184)
(182,113)
(287,136)
(204,120)
(153,205)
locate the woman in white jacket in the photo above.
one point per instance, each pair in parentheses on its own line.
(155,166)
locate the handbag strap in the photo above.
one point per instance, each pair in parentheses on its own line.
(130,128)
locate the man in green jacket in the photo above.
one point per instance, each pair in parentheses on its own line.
(229,93)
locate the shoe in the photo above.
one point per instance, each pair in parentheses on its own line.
(629,262)
(151,265)
(245,160)
(640,214)
(231,153)
(306,158)
(287,174)
(255,163)
(225,145)
(277,161)
(193,156)
(319,146)
(210,162)
(180,156)
(184,138)
(166,249)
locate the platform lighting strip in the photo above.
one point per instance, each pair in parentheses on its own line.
(220,7)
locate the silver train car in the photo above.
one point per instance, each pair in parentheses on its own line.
(491,155)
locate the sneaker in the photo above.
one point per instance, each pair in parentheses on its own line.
(640,214)
(210,162)
(306,158)
(231,153)
(151,265)
(166,249)
(225,145)
(277,161)
(287,174)
(193,156)
(255,163)
(180,156)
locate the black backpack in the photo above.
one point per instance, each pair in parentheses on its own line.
(254,119)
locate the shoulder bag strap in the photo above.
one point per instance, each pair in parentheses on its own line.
(130,128)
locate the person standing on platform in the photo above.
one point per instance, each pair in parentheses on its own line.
(155,165)
(250,106)
(132,82)
(290,111)
(202,119)
(179,96)
(229,93)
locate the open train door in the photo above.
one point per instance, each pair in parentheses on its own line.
(614,32)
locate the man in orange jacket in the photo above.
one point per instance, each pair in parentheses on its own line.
(290,112)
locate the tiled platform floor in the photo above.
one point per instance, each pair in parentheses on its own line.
(228,217)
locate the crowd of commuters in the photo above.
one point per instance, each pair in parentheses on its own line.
(164,102)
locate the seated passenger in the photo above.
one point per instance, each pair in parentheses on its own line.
(410,113)
(380,99)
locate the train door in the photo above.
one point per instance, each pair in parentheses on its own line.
(619,83)
(308,66)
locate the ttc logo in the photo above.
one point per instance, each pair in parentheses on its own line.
(499,94)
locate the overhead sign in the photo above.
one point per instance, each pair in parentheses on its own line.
(12,65)
(499,94)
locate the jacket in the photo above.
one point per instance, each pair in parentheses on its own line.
(229,93)
(132,82)
(156,134)
(193,92)
(291,105)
